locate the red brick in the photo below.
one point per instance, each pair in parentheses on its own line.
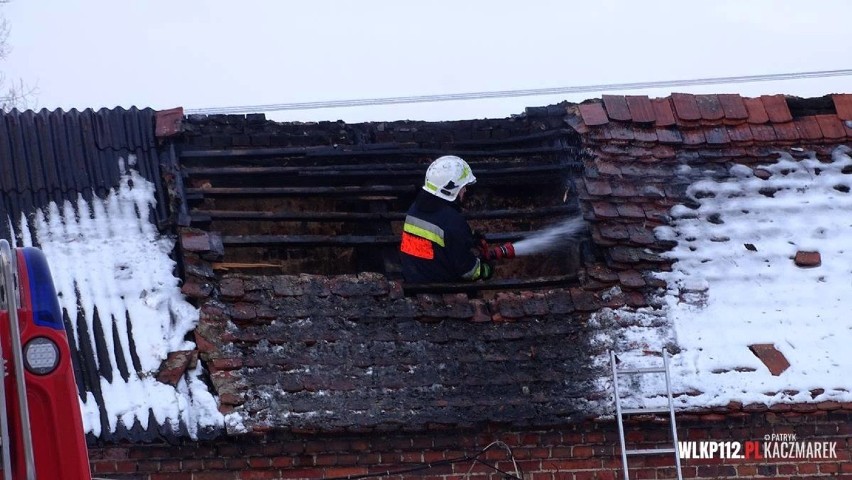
(771,357)
(593,114)
(686,107)
(843,105)
(663,112)
(807,259)
(733,106)
(776,108)
(831,126)
(640,108)
(808,128)
(710,107)
(616,107)
(756,110)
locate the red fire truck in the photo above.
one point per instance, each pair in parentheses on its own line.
(40,419)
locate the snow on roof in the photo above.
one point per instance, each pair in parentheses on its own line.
(735,283)
(106,256)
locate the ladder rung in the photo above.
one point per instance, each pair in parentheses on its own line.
(630,411)
(631,371)
(649,451)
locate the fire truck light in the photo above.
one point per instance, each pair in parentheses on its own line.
(41,355)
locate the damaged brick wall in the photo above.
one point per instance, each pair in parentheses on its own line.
(581,451)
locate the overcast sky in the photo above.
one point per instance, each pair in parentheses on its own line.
(211,53)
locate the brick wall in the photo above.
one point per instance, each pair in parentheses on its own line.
(582,451)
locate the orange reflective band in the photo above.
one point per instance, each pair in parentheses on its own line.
(416,246)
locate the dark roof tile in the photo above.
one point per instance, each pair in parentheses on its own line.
(733,106)
(642,134)
(693,137)
(616,107)
(756,110)
(669,135)
(740,133)
(717,135)
(776,108)
(663,112)
(831,126)
(641,109)
(808,128)
(786,131)
(686,107)
(620,131)
(593,114)
(710,107)
(843,105)
(763,133)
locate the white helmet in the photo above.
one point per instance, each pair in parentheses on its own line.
(446,176)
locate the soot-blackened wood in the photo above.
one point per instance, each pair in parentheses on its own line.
(287,191)
(338,240)
(500,284)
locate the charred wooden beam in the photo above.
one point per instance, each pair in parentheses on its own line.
(364,171)
(336,240)
(493,284)
(287,191)
(208,215)
(318,152)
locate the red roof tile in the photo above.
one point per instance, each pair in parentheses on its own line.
(693,137)
(776,108)
(641,109)
(808,128)
(740,133)
(663,111)
(763,133)
(831,126)
(616,107)
(686,107)
(593,114)
(786,131)
(733,106)
(756,111)
(710,107)
(620,131)
(843,105)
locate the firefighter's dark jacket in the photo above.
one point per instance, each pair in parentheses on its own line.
(437,243)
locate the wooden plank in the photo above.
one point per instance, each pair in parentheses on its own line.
(363,170)
(287,191)
(338,240)
(316,152)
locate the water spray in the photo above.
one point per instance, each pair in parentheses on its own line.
(550,238)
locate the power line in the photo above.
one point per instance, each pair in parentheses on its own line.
(514,93)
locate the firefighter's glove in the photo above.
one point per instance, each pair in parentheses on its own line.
(486,270)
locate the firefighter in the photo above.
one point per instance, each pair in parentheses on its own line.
(437,243)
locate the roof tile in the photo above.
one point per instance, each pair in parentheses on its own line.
(808,128)
(786,131)
(740,133)
(642,134)
(616,107)
(593,114)
(663,112)
(693,137)
(733,106)
(756,110)
(831,126)
(843,105)
(686,106)
(776,108)
(763,133)
(620,131)
(717,135)
(710,107)
(669,135)
(641,109)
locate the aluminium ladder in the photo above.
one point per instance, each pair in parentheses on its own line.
(631,411)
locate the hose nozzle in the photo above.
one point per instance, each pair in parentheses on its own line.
(496,252)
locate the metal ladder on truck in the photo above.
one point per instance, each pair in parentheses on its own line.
(664,369)
(10,302)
